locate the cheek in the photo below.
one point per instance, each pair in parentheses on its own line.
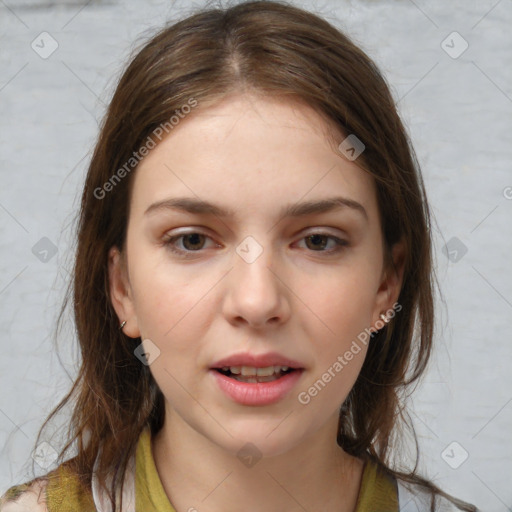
(347,315)
(347,319)
(165,298)
(332,379)
(345,302)
(171,313)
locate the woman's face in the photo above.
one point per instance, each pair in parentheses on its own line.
(199,286)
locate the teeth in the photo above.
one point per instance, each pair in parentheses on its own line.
(265,372)
(251,371)
(248,370)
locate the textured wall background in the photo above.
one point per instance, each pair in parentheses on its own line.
(449,65)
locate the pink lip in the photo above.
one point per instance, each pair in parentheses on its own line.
(257,361)
(256,393)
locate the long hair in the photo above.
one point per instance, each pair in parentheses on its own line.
(275,49)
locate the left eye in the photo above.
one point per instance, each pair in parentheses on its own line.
(192,240)
(316,238)
(193,236)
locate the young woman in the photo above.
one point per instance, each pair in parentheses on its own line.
(253,290)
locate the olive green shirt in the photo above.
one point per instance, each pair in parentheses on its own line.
(64,493)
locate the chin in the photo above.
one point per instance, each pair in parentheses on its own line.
(259,439)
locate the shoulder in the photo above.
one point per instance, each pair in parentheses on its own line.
(416,498)
(28,497)
(60,490)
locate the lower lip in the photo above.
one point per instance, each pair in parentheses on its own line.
(257,393)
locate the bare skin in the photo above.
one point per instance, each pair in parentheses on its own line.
(300,298)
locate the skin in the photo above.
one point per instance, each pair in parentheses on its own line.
(254,155)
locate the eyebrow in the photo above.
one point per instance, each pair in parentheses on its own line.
(198,206)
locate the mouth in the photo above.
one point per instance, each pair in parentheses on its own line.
(254,375)
(264,383)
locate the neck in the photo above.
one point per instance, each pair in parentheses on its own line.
(197,473)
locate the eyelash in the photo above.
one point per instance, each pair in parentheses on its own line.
(169,243)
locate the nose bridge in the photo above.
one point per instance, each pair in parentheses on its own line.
(252,262)
(250,249)
(255,291)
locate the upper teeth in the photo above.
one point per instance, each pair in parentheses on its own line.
(250,370)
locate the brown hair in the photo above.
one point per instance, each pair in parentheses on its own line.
(274,49)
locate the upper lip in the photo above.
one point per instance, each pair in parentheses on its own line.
(257,361)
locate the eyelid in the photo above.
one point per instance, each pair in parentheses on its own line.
(168,239)
(324,231)
(341,242)
(307,231)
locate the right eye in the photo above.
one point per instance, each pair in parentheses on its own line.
(191,241)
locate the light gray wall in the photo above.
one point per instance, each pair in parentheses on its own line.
(458,109)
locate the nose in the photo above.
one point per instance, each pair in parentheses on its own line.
(256,291)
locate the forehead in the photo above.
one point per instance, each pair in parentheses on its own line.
(251,153)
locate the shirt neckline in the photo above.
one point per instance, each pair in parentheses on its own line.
(377,490)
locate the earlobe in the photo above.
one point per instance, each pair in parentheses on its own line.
(120,293)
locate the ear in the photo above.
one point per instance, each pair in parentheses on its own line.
(121,293)
(391,283)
